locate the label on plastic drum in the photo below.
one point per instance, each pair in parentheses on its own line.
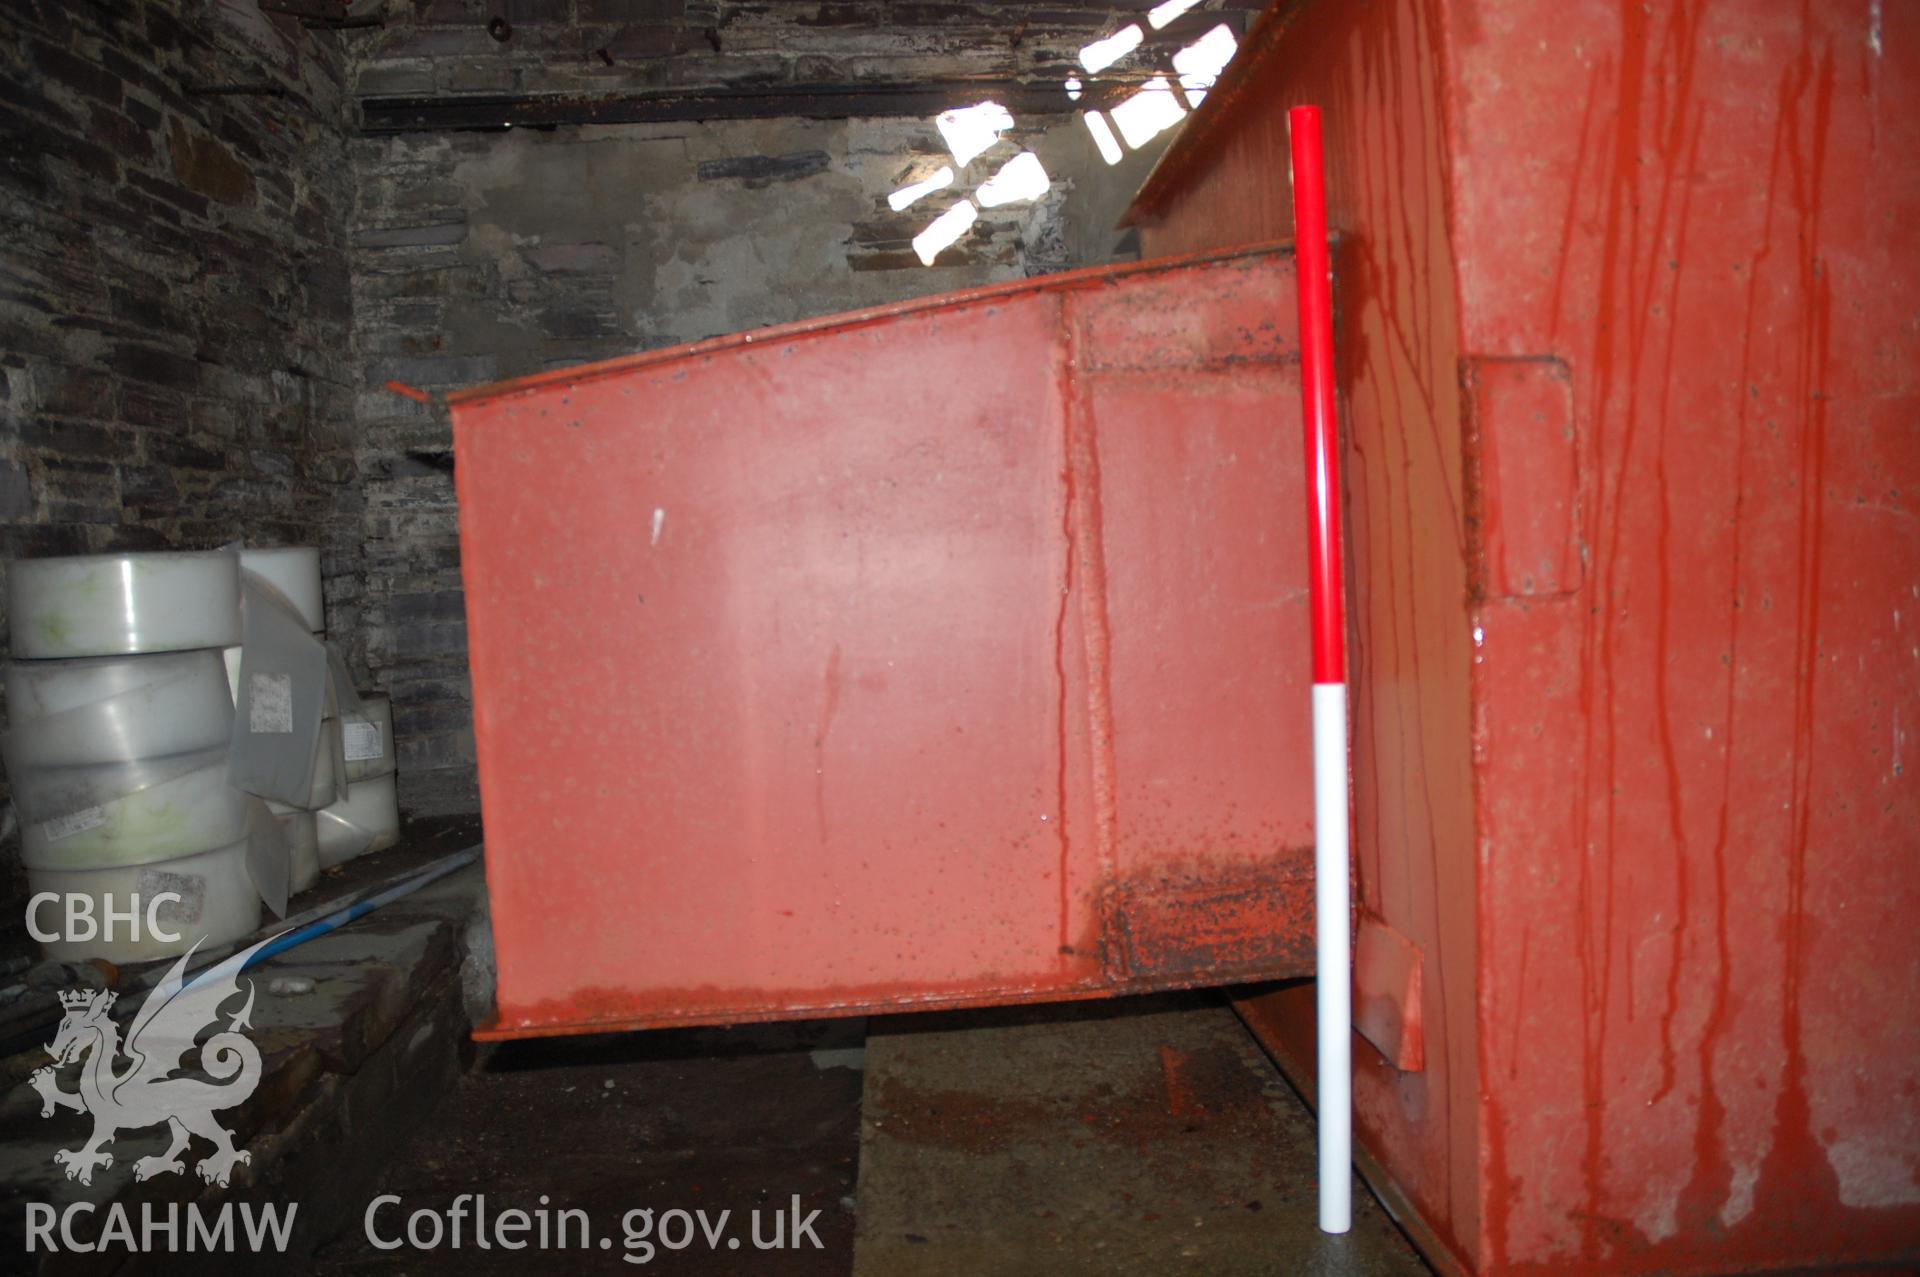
(77,822)
(361,740)
(270,704)
(173,915)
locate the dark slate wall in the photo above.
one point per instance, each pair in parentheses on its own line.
(175,313)
(595,49)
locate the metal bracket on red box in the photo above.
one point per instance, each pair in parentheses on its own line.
(1386,994)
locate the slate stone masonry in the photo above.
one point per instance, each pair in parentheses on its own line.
(175,366)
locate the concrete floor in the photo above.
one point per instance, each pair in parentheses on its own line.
(1143,1135)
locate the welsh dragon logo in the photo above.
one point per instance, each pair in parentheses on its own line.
(146,1091)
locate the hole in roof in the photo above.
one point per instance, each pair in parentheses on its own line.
(1020,178)
(944,231)
(969,130)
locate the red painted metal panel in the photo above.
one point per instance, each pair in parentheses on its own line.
(1632,288)
(1524,477)
(939,654)
(1699,960)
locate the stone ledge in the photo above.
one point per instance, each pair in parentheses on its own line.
(349,1070)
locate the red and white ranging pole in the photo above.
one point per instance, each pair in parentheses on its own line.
(1332,947)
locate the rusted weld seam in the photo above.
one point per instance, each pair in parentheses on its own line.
(1063,868)
(1083,466)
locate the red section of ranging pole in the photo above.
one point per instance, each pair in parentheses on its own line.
(1315,272)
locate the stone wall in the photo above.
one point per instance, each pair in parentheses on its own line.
(175,365)
(597,50)
(174,300)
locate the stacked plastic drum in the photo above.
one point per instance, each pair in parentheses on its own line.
(117,750)
(367,816)
(293,575)
(350,805)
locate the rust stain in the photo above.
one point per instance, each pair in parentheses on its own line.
(1070,531)
(1217,921)
(1173,1069)
(1087,556)
(1676,817)
(1201,923)
(1623,318)
(1204,1086)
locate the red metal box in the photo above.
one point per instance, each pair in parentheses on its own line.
(953,652)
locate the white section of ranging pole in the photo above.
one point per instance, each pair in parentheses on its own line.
(1332,978)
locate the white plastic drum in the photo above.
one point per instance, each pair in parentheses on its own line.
(295,572)
(123,604)
(367,739)
(116,708)
(217,903)
(303,847)
(189,814)
(367,819)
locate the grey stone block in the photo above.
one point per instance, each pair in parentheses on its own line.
(761,170)
(16,493)
(574,259)
(403,79)
(430,234)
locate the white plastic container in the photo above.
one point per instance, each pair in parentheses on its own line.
(326,787)
(303,848)
(184,816)
(74,713)
(230,657)
(367,819)
(218,903)
(367,738)
(295,572)
(341,701)
(123,604)
(280,703)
